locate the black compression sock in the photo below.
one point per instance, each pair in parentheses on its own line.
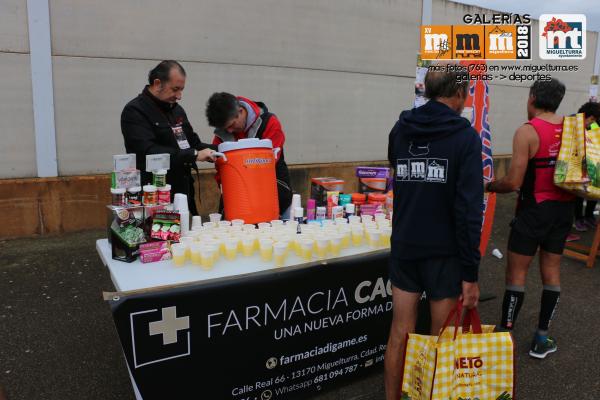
(548,306)
(511,305)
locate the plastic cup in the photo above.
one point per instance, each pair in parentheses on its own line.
(379,216)
(187,241)
(248,246)
(297,245)
(279,253)
(341,221)
(327,222)
(198,229)
(374,238)
(386,234)
(224,223)
(276,222)
(264,225)
(178,252)
(346,238)
(357,237)
(217,241)
(208,256)
(238,222)
(365,217)
(195,253)
(306,246)
(231,248)
(266,249)
(196,221)
(209,225)
(249,227)
(353,219)
(384,223)
(322,247)
(286,242)
(336,244)
(214,217)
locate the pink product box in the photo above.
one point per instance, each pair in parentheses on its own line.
(153,246)
(154,251)
(155,255)
(370,209)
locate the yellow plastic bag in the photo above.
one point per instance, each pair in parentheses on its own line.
(569,172)
(592,162)
(462,366)
(578,163)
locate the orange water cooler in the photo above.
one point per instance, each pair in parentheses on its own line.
(247,170)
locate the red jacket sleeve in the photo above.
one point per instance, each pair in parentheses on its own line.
(274,132)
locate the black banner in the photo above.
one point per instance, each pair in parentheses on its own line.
(280,334)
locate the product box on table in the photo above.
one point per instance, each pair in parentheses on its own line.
(321,185)
(372,179)
(125,231)
(154,251)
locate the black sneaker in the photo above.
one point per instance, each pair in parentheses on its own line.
(540,349)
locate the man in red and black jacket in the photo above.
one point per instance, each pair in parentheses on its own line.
(237,118)
(153,123)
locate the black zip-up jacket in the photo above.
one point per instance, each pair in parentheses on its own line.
(438,188)
(146,126)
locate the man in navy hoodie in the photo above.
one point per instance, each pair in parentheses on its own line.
(438,203)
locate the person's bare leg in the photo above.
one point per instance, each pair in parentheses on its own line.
(403,322)
(517,267)
(439,312)
(550,268)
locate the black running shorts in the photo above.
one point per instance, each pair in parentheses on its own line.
(440,277)
(545,225)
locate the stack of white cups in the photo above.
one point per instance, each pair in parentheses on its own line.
(296,202)
(180,204)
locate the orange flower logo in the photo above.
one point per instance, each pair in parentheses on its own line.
(556,25)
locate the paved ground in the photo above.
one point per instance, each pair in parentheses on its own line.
(57,340)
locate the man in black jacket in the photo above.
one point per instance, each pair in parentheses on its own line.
(153,123)
(438,211)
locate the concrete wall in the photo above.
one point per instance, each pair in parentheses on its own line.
(334,72)
(337,73)
(17,139)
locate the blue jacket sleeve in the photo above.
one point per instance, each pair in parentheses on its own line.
(468,207)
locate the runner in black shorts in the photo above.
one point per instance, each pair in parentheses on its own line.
(438,199)
(544,211)
(439,277)
(545,225)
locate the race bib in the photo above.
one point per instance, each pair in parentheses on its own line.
(180,137)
